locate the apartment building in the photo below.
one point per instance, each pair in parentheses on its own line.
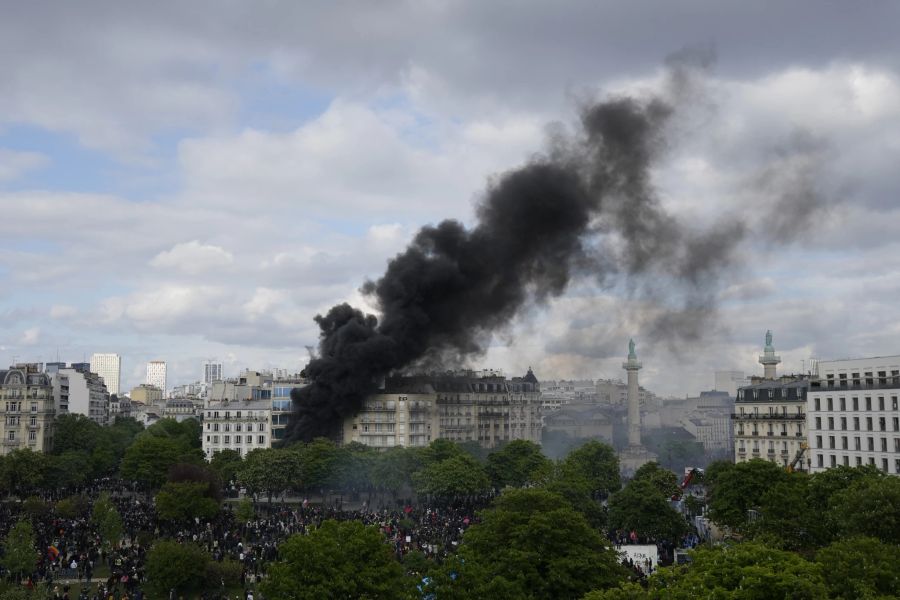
(770,421)
(241,425)
(27,409)
(853,416)
(466,406)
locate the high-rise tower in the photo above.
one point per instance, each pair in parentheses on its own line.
(156,374)
(109,367)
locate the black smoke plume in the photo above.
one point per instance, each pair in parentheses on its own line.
(587,206)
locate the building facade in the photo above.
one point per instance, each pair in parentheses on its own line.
(109,368)
(853,416)
(87,395)
(156,374)
(146,394)
(212,371)
(27,409)
(486,408)
(769,421)
(242,426)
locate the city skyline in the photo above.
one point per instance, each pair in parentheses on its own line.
(222,190)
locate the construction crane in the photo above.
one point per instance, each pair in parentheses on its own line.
(799,456)
(689,474)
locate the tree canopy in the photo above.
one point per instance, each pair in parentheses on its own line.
(337,560)
(530,544)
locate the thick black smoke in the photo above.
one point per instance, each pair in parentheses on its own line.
(536,227)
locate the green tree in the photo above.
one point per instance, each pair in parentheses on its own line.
(269,470)
(189,431)
(787,519)
(19,550)
(663,479)
(860,568)
(626,591)
(244,511)
(319,465)
(106,518)
(530,544)
(734,491)
(517,464)
(440,450)
(337,560)
(353,468)
(869,507)
(225,464)
(641,507)
(393,469)
(71,468)
(150,457)
(186,500)
(74,433)
(598,464)
(578,491)
(24,472)
(748,571)
(175,566)
(454,477)
(73,507)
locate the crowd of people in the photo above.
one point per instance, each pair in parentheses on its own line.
(72,551)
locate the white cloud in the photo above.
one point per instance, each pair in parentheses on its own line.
(15,164)
(30,336)
(62,311)
(192,258)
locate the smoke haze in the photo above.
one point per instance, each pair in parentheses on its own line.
(586,208)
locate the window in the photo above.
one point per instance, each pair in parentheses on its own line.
(33,421)
(843,402)
(34,405)
(831,441)
(881,403)
(818,441)
(856,404)
(884,444)
(821,460)
(227,439)
(830,404)
(818,422)
(237,427)
(831,423)
(261,427)
(868,404)
(871,444)
(12,436)
(893,402)
(833,460)
(858,443)
(261,439)
(844,442)
(818,404)
(843,423)
(215,439)
(249,439)
(856,423)
(846,461)
(868,423)
(32,436)
(859,461)
(882,423)
(896,423)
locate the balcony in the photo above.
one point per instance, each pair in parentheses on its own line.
(841,385)
(765,417)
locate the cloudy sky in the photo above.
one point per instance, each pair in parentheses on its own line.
(191,180)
